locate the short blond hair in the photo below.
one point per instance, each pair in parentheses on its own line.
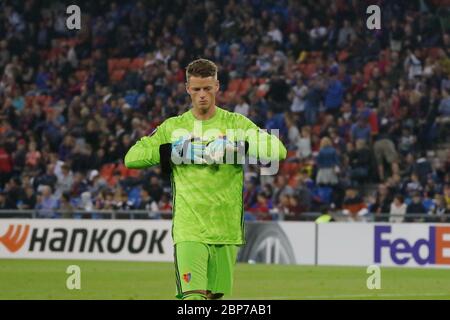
(325,142)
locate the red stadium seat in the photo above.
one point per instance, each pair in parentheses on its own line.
(137,64)
(262,80)
(124,63)
(234,85)
(112,65)
(125,172)
(245,86)
(310,69)
(291,153)
(343,55)
(87,62)
(230,95)
(117,75)
(434,52)
(107,170)
(29,101)
(81,75)
(368,68)
(316,130)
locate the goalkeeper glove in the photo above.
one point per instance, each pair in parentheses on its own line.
(187,150)
(216,150)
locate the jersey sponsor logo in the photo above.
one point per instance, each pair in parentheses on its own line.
(15,237)
(187,277)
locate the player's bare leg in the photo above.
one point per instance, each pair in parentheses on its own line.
(394,167)
(381,172)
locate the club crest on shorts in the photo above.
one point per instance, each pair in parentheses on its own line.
(187,277)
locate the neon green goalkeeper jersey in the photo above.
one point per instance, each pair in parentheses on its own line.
(207,198)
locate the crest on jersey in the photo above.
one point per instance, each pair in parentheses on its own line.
(187,277)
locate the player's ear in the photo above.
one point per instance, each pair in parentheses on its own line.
(217,86)
(187,88)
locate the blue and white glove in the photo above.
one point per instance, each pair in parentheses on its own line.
(187,150)
(216,150)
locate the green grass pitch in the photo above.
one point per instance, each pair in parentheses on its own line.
(46,279)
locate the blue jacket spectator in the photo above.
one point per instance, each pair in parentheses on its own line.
(334,94)
(327,162)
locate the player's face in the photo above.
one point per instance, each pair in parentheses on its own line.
(203,92)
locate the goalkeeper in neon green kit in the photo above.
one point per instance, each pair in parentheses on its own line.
(201,149)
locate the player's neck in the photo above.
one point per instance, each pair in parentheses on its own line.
(199,115)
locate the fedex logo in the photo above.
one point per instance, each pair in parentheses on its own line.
(402,251)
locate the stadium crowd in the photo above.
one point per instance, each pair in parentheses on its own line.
(362,112)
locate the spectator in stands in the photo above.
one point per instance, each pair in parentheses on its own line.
(46,204)
(293,133)
(361,130)
(261,208)
(14,189)
(384,150)
(334,95)
(447,194)
(295,209)
(64,182)
(6,165)
(145,201)
(313,100)
(66,207)
(250,193)
(317,35)
(304,143)
(303,192)
(346,35)
(33,155)
(439,211)
(383,200)
(360,162)
(281,188)
(3,203)
(28,199)
(423,168)
(278,94)
(297,95)
(353,205)
(414,186)
(19,157)
(73,95)
(283,207)
(327,163)
(165,206)
(413,63)
(407,142)
(415,207)
(154,188)
(398,209)
(242,105)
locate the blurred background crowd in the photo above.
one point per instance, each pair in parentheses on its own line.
(365,114)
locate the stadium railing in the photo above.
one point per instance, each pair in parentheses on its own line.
(146,214)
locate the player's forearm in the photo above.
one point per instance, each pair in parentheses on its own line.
(267,147)
(142,155)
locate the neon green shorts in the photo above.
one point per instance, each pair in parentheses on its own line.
(200,266)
